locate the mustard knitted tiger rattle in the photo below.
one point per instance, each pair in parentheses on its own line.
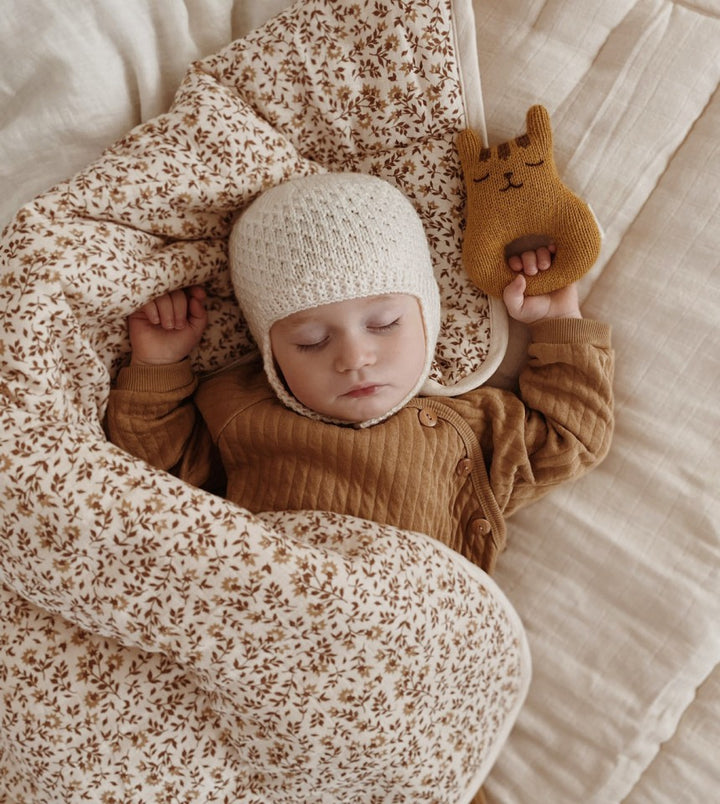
(515,202)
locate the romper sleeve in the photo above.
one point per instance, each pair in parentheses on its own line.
(560,423)
(152,415)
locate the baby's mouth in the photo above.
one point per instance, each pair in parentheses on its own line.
(362,390)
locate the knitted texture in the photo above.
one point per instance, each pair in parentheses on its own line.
(516,201)
(327,238)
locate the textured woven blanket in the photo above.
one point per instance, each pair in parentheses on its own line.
(159,643)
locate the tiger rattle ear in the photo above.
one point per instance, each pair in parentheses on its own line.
(515,201)
(539,129)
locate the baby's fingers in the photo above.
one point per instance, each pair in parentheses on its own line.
(171,310)
(531,261)
(515,263)
(148,312)
(525,263)
(196,312)
(543,257)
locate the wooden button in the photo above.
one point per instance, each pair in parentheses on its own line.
(428,418)
(480,526)
(464,467)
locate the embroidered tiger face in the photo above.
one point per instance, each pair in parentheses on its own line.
(516,201)
(507,166)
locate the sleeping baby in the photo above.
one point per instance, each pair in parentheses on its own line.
(334,277)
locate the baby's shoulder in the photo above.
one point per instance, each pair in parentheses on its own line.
(232,385)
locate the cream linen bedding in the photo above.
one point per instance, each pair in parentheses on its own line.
(615,577)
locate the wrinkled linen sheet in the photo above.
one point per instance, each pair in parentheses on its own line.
(160,643)
(617,576)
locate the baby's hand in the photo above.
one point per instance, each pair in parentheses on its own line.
(561,303)
(168,328)
(532,261)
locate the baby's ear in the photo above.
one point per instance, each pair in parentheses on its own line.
(537,122)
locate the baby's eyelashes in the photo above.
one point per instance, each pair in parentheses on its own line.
(384,327)
(308,347)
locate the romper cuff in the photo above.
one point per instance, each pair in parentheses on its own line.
(571,330)
(157,379)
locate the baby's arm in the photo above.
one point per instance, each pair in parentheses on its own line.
(560,423)
(151,413)
(564,411)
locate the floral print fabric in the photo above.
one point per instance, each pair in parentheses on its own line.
(162,644)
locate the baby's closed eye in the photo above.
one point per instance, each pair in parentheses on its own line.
(384,327)
(314,345)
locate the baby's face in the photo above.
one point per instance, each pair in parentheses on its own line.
(353,360)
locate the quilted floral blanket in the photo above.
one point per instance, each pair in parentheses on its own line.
(159,643)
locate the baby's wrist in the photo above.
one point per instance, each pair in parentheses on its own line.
(575,313)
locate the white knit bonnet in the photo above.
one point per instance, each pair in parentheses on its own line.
(327,238)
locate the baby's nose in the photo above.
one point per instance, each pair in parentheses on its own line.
(353,354)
